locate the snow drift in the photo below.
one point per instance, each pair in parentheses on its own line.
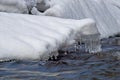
(39,37)
(104,12)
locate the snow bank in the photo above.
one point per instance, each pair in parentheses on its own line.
(39,37)
(104,12)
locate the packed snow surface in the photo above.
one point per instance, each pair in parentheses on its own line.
(106,13)
(39,37)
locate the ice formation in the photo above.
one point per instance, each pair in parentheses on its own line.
(39,37)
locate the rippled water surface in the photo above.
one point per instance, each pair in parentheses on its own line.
(73,66)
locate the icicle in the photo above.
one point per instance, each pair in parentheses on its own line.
(79,44)
(66,52)
(53,55)
(92,43)
(75,47)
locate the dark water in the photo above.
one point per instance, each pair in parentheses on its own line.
(73,66)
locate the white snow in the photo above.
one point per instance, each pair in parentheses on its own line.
(104,12)
(38,37)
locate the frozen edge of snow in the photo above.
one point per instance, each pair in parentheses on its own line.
(79,27)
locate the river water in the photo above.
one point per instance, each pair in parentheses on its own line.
(78,65)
